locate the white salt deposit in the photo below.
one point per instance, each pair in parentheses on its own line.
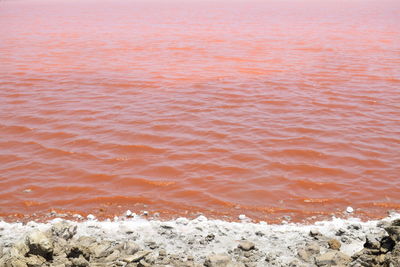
(192,236)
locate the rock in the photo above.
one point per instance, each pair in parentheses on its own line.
(221,260)
(372,242)
(136,257)
(217,260)
(182,220)
(85,241)
(386,244)
(35,261)
(340,232)
(394,232)
(349,209)
(40,244)
(143,263)
(246,245)
(113,256)
(91,217)
(19,249)
(130,247)
(242,217)
(308,252)
(315,233)
(201,218)
(79,262)
(162,252)
(332,258)
(334,244)
(14,262)
(128,213)
(102,250)
(63,230)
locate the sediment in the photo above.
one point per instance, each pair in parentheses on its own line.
(200,242)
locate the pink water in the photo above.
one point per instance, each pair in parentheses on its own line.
(266,108)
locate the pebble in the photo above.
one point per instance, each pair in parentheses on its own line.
(242,217)
(201,218)
(246,245)
(78,216)
(349,209)
(182,220)
(128,213)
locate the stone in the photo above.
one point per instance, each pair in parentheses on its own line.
(372,242)
(102,250)
(242,217)
(182,220)
(130,247)
(143,263)
(19,249)
(91,217)
(14,262)
(137,256)
(315,233)
(246,245)
(308,252)
(217,260)
(63,230)
(221,260)
(79,262)
(113,256)
(334,244)
(128,213)
(393,232)
(349,210)
(332,258)
(35,261)
(40,244)
(162,253)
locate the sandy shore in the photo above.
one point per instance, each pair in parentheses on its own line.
(184,242)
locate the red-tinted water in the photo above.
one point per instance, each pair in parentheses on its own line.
(268,108)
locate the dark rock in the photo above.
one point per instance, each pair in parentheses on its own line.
(386,244)
(372,242)
(394,232)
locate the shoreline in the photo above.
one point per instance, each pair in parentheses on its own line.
(135,241)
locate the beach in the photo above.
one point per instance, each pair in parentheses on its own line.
(135,241)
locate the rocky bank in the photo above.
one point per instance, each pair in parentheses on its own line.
(199,242)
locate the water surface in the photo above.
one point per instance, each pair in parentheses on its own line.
(265,108)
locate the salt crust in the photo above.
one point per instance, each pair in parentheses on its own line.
(175,235)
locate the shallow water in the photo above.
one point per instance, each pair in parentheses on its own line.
(265,108)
